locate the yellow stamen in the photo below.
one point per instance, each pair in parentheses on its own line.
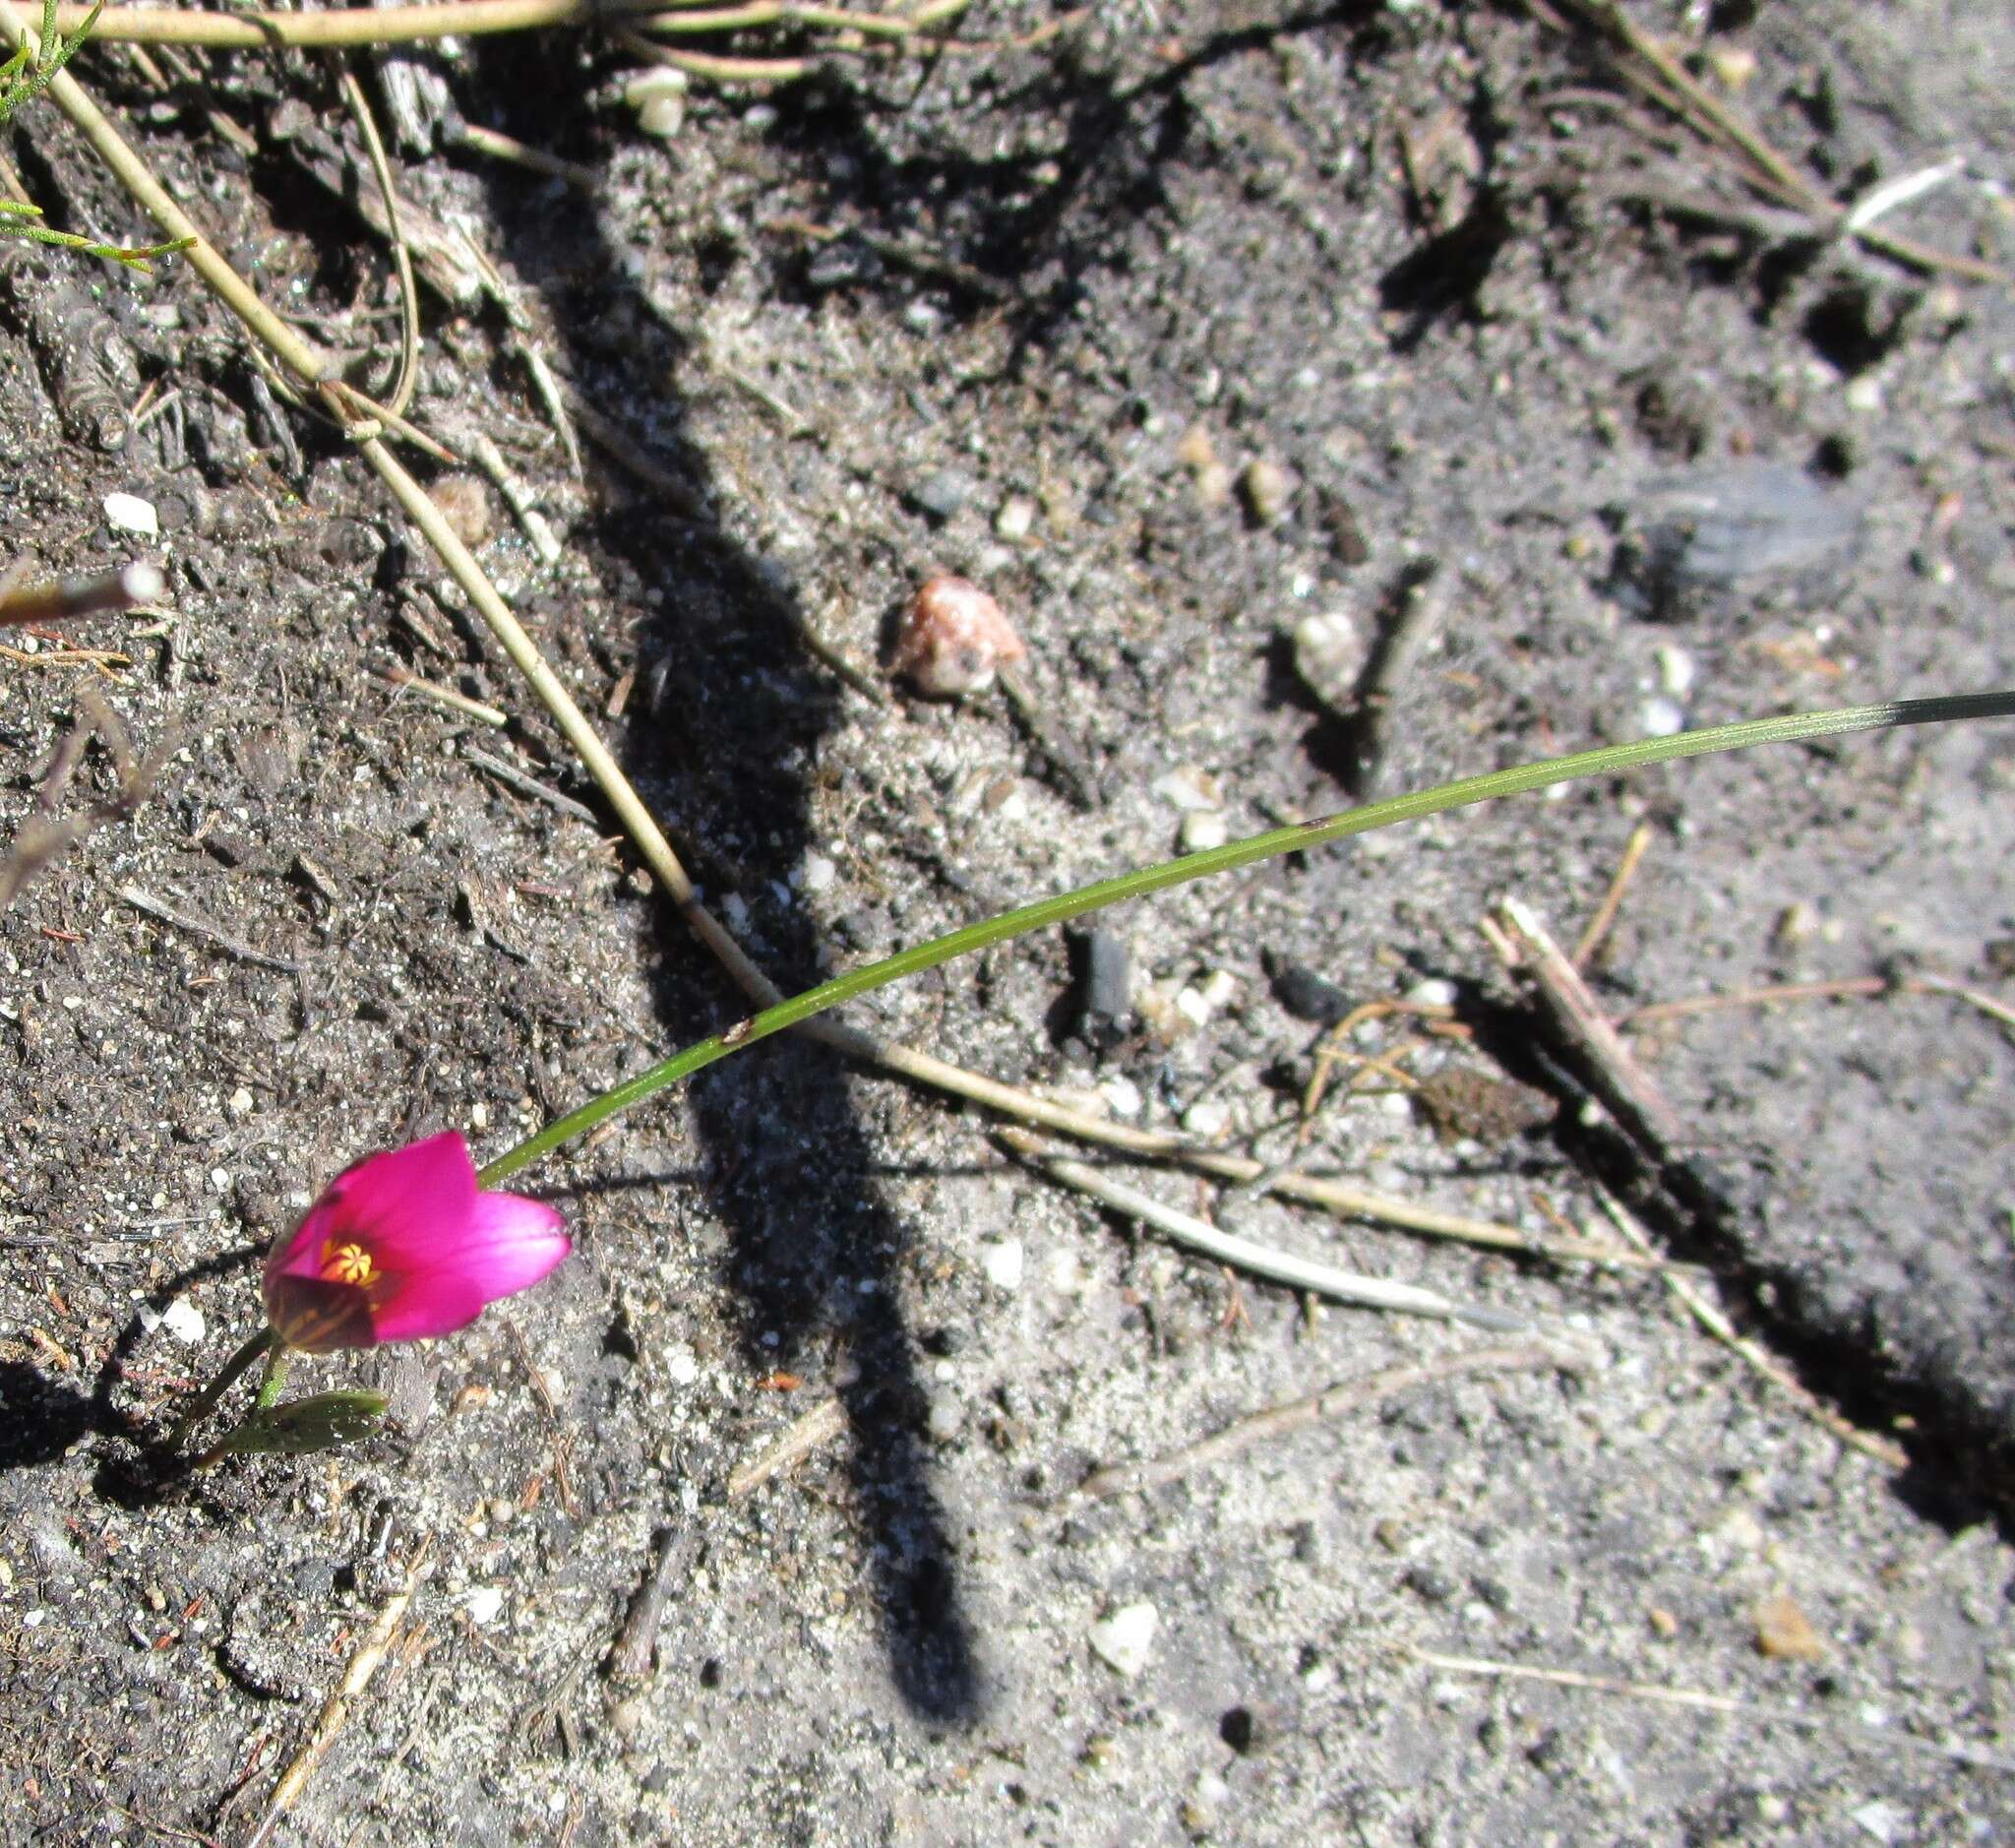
(347,1264)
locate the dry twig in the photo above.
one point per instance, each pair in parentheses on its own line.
(1619,1080)
(1297,1273)
(1883,1449)
(1335,1401)
(1882,1737)
(337,1711)
(821,1425)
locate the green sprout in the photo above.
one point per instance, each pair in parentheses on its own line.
(24,77)
(26,74)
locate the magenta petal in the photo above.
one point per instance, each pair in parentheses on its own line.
(432,1303)
(433,1250)
(410,1204)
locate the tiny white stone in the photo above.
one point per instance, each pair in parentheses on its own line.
(1883,1821)
(220,1180)
(1203,830)
(1677,671)
(944,1419)
(681,1367)
(184,1321)
(1864,393)
(663,82)
(1208,1117)
(1016,517)
(1123,1641)
(1122,1095)
(1002,1262)
(817,873)
(1661,717)
(480,1116)
(128,513)
(485,1604)
(240,1104)
(1190,789)
(1438,991)
(662,115)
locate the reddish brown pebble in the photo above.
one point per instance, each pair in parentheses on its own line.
(954,637)
(1785,1631)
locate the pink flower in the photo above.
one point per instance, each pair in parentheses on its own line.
(403,1245)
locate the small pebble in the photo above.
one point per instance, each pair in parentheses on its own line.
(1661,717)
(1330,653)
(1002,1261)
(1303,992)
(1123,1641)
(944,1420)
(1733,66)
(1863,393)
(1208,1117)
(184,1321)
(817,873)
(1884,1821)
(1203,831)
(1105,975)
(626,1716)
(1784,1632)
(681,1367)
(240,1103)
(953,639)
(1661,1621)
(1190,789)
(1438,991)
(1267,488)
(662,115)
(128,513)
(1122,1095)
(484,1605)
(943,492)
(1796,925)
(1677,671)
(1016,517)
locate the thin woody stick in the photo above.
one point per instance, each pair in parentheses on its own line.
(1228,1247)
(357,1678)
(1613,899)
(1854,1731)
(1335,1401)
(1883,1449)
(1620,1082)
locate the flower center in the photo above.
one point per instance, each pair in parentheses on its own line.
(347,1264)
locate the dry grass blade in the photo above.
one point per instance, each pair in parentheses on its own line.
(401,253)
(1884,1450)
(1849,988)
(1879,1738)
(364,1664)
(1333,1402)
(1228,1247)
(1651,70)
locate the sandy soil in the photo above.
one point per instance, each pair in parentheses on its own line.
(1631,466)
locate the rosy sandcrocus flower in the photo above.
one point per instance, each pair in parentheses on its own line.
(403,1245)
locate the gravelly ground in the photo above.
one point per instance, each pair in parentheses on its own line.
(1383,250)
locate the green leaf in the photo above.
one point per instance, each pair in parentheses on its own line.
(325,1422)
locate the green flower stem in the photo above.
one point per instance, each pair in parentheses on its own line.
(266,1344)
(1792,729)
(274,1378)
